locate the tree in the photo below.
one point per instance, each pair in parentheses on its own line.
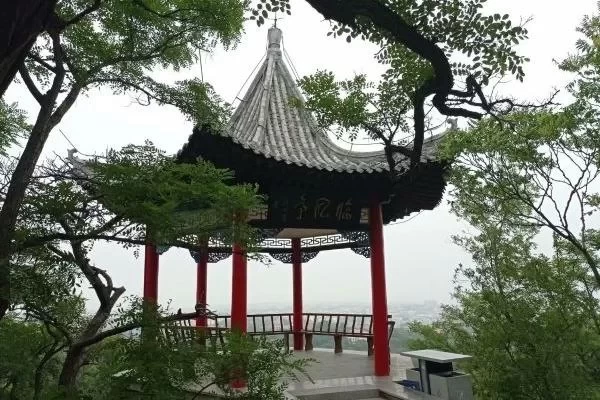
(69,207)
(527,319)
(541,168)
(33,336)
(166,370)
(113,44)
(47,308)
(520,310)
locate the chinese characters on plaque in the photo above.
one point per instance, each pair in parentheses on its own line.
(305,210)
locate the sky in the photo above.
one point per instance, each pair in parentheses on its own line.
(420,256)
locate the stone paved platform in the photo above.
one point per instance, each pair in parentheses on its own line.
(346,376)
(349,364)
(349,375)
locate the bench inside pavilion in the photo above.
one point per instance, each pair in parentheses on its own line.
(320,197)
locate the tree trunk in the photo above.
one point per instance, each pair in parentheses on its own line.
(39,370)
(14,198)
(45,122)
(76,353)
(21,21)
(70,369)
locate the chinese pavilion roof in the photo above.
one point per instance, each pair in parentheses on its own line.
(267,124)
(279,146)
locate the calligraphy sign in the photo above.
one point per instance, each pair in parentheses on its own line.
(305,210)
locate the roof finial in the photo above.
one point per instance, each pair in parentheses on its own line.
(274,38)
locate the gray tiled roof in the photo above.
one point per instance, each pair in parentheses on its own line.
(267,124)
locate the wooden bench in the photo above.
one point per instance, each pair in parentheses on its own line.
(339,326)
(264,324)
(184,331)
(335,325)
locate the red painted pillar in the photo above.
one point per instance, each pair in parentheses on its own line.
(297,282)
(239,289)
(151,274)
(201,284)
(380,313)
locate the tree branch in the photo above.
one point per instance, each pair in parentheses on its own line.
(95,5)
(33,89)
(42,62)
(134,325)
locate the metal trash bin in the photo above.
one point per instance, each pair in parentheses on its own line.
(436,374)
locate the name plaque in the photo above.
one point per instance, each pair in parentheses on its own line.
(313,211)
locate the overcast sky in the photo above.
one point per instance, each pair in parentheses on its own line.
(420,255)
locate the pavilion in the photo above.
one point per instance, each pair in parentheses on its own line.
(319,195)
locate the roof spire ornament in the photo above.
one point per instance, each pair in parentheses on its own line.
(274,38)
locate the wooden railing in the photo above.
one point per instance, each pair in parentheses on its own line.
(336,325)
(329,324)
(339,326)
(184,331)
(272,324)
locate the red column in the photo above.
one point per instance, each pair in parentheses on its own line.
(380,313)
(239,289)
(151,274)
(201,284)
(297,282)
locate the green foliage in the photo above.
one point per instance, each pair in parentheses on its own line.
(261,11)
(528,320)
(119,196)
(509,166)
(150,366)
(120,44)
(31,351)
(484,44)
(172,199)
(13,125)
(20,346)
(48,311)
(147,365)
(538,169)
(462,29)
(70,206)
(265,365)
(472,47)
(585,63)
(355,104)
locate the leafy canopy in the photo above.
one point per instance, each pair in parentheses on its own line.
(477,43)
(13,125)
(527,319)
(530,319)
(172,199)
(169,367)
(130,193)
(120,44)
